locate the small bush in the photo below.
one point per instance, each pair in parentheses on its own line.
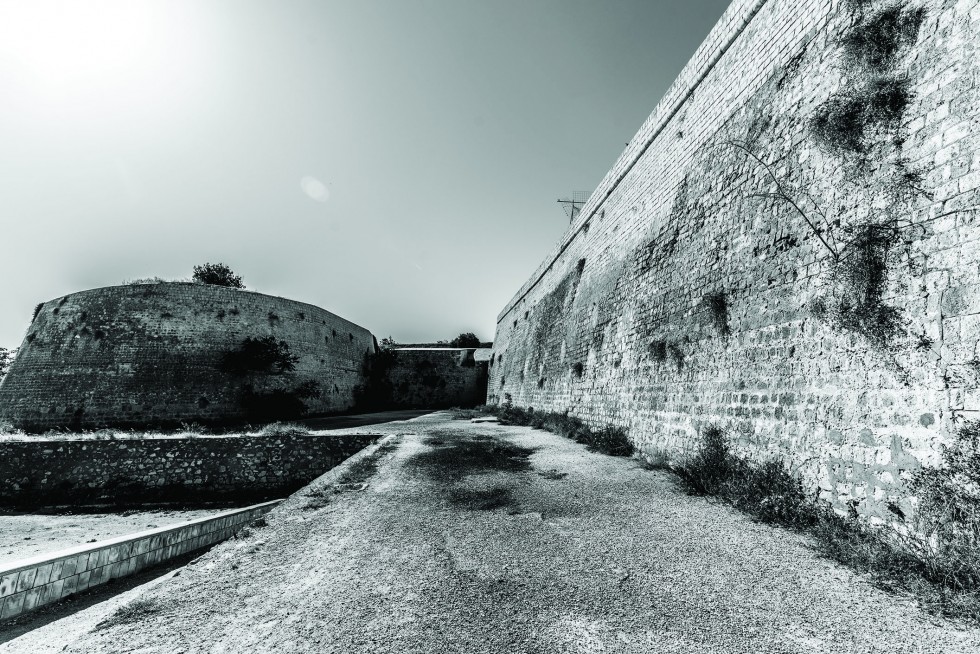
(841,123)
(578,369)
(943,572)
(875,41)
(284,429)
(607,440)
(145,280)
(217,274)
(469,339)
(859,283)
(710,467)
(6,359)
(949,510)
(265,354)
(658,350)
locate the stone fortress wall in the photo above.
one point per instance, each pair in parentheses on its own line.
(124,471)
(437,378)
(686,294)
(150,354)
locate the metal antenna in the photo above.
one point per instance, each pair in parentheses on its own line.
(573,205)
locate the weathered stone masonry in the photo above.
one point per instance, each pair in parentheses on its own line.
(618,324)
(437,378)
(173,468)
(151,354)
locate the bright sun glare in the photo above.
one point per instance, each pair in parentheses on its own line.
(79,55)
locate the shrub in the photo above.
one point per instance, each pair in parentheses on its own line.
(859,279)
(610,439)
(6,359)
(943,575)
(841,123)
(469,339)
(710,467)
(145,280)
(658,350)
(949,509)
(875,41)
(217,274)
(265,354)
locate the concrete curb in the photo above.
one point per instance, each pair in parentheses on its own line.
(29,583)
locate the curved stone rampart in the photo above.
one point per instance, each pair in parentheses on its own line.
(150,355)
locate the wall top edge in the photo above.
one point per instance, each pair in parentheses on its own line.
(210,288)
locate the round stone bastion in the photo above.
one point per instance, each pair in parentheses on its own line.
(156,355)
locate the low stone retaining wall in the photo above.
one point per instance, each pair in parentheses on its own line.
(30,583)
(167,469)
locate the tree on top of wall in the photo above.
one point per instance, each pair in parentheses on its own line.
(217,274)
(6,358)
(469,339)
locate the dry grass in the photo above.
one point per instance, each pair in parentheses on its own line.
(944,578)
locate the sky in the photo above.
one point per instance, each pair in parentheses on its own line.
(396,162)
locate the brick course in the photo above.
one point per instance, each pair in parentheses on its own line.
(150,354)
(613,326)
(85,470)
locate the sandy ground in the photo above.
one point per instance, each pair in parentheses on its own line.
(26,535)
(579,552)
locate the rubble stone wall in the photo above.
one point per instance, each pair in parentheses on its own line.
(689,292)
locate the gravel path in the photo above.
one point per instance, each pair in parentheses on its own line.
(564,551)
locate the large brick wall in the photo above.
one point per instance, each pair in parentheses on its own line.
(150,354)
(437,378)
(616,325)
(87,470)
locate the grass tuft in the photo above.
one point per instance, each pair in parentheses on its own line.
(284,429)
(130,613)
(610,439)
(942,571)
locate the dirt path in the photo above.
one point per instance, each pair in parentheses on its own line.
(480,538)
